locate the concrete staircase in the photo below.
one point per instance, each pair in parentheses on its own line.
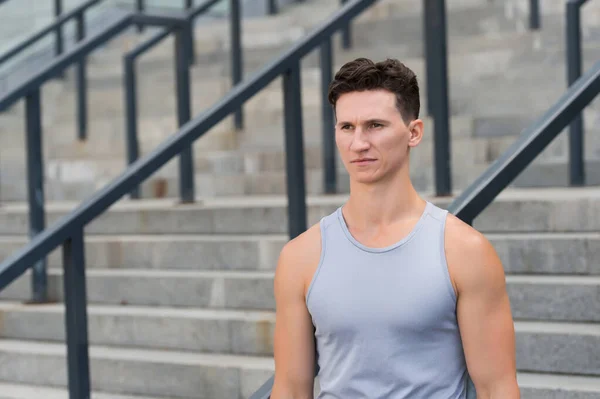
(181,301)
(180,297)
(502,78)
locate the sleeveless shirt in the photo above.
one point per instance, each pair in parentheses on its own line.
(385,318)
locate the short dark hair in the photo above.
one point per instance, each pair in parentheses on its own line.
(391,75)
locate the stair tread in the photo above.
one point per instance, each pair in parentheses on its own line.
(521,326)
(147,311)
(541,195)
(21,391)
(559,381)
(141,355)
(547,279)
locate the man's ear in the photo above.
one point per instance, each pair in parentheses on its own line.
(415,128)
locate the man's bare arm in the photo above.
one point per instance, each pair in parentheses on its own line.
(483,311)
(294,337)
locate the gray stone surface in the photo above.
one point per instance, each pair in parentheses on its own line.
(206,331)
(558,348)
(173,288)
(143,372)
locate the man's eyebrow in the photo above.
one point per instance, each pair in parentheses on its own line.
(368,121)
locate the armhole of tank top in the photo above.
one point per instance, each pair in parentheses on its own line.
(323,229)
(443,259)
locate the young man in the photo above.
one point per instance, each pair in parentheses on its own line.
(403,300)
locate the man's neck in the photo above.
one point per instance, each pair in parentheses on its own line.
(383,203)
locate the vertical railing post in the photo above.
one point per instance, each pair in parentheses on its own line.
(58,43)
(76,316)
(437,66)
(182,75)
(534,14)
(192,40)
(131,115)
(428,34)
(140,6)
(81,84)
(35,188)
(328,128)
(236,53)
(576,138)
(294,151)
(272,7)
(346,33)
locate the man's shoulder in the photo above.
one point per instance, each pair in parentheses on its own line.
(471,257)
(299,258)
(464,237)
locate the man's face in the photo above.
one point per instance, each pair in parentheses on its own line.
(371,135)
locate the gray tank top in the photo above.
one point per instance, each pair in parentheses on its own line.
(385,318)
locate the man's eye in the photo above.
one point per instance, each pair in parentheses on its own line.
(346,127)
(376,125)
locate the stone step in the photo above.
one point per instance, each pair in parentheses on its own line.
(21,391)
(555,386)
(541,347)
(251,333)
(521,253)
(496,54)
(533,386)
(139,371)
(216,289)
(195,330)
(380,26)
(533,297)
(514,210)
(80,186)
(554,298)
(565,348)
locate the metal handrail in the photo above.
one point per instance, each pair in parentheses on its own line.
(532,141)
(69,230)
(574,66)
(534,14)
(73,243)
(59,22)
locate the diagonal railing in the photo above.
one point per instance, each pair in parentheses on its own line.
(68,232)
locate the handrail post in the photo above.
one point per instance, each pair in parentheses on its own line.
(58,44)
(428,34)
(140,6)
(272,8)
(76,324)
(534,14)
(182,75)
(35,188)
(294,151)
(236,54)
(437,61)
(328,128)
(576,136)
(346,33)
(58,41)
(192,40)
(81,84)
(131,115)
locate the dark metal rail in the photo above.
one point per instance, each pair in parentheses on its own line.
(69,230)
(530,144)
(574,66)
(53,27)
(436,62)
(534,14)
(74,273)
